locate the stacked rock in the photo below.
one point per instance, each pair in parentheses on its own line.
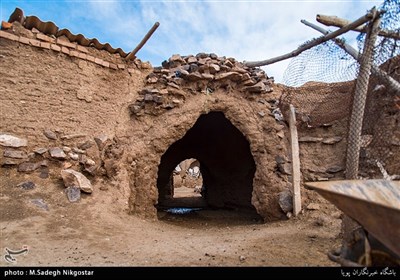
(203,73)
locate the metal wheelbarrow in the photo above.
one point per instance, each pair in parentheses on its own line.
(374,204)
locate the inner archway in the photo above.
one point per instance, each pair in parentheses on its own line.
(187,179)
(225,161)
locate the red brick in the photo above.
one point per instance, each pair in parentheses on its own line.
(23,40)
(5,25)
(45,45)
(82,49)
(8,36)
(90,58)
(55,47)
(82,55)
(98,61)
(113,66)
(106,64)
(66,43)
(133,71)
(65,50)
(34,43)
(45,38)
(74,53)
(121,66)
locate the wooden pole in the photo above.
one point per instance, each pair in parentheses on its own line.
(294,144)
(132,54)
(360,97)
(382,75)
(340,22)
(312,43)
(336,21)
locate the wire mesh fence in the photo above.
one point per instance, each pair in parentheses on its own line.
(321,84)
(326,62)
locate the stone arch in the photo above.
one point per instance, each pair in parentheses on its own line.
(166,129)
(225,159)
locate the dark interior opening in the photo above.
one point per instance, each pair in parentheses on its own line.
(226,165)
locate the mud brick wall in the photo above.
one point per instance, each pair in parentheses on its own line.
(47,89)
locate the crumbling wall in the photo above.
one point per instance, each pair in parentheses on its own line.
(322,113)
(115,120)
(44,89)
(65,101)
(184,89)
(151,143)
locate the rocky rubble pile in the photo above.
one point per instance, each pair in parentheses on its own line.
(168,85)
(72,154)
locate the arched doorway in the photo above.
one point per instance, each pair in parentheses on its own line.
(226,163)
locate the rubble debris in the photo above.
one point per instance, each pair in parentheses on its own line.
(7,140)
(73,193)
(50,134)
(39,202)
(57,153)
(179,72)
(313,206)
(285,201)
(73,178)
(28,185)
(9,153)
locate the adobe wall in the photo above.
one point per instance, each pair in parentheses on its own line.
(43,89)
(153,138)
(113,121)
(57,94)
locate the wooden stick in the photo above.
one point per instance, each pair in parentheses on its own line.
(352,51)
(294,143)
(340,22)
(312,43)
(132,54)
(382,75)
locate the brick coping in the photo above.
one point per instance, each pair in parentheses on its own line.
(71,49)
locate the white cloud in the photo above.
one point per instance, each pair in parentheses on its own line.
(246,30)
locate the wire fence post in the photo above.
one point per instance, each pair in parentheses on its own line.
(349,226)
(360,96)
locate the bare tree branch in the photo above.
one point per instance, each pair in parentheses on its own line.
(313,42)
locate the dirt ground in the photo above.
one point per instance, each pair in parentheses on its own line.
(98,231)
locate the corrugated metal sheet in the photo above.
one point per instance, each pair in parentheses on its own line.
(50,28)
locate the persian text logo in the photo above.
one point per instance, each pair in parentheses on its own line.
(9,256)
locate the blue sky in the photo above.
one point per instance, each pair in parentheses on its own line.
(245,30)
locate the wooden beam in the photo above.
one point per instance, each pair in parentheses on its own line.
(295,157)
(340,22)
(312,43)
(337,22)
(132,54)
